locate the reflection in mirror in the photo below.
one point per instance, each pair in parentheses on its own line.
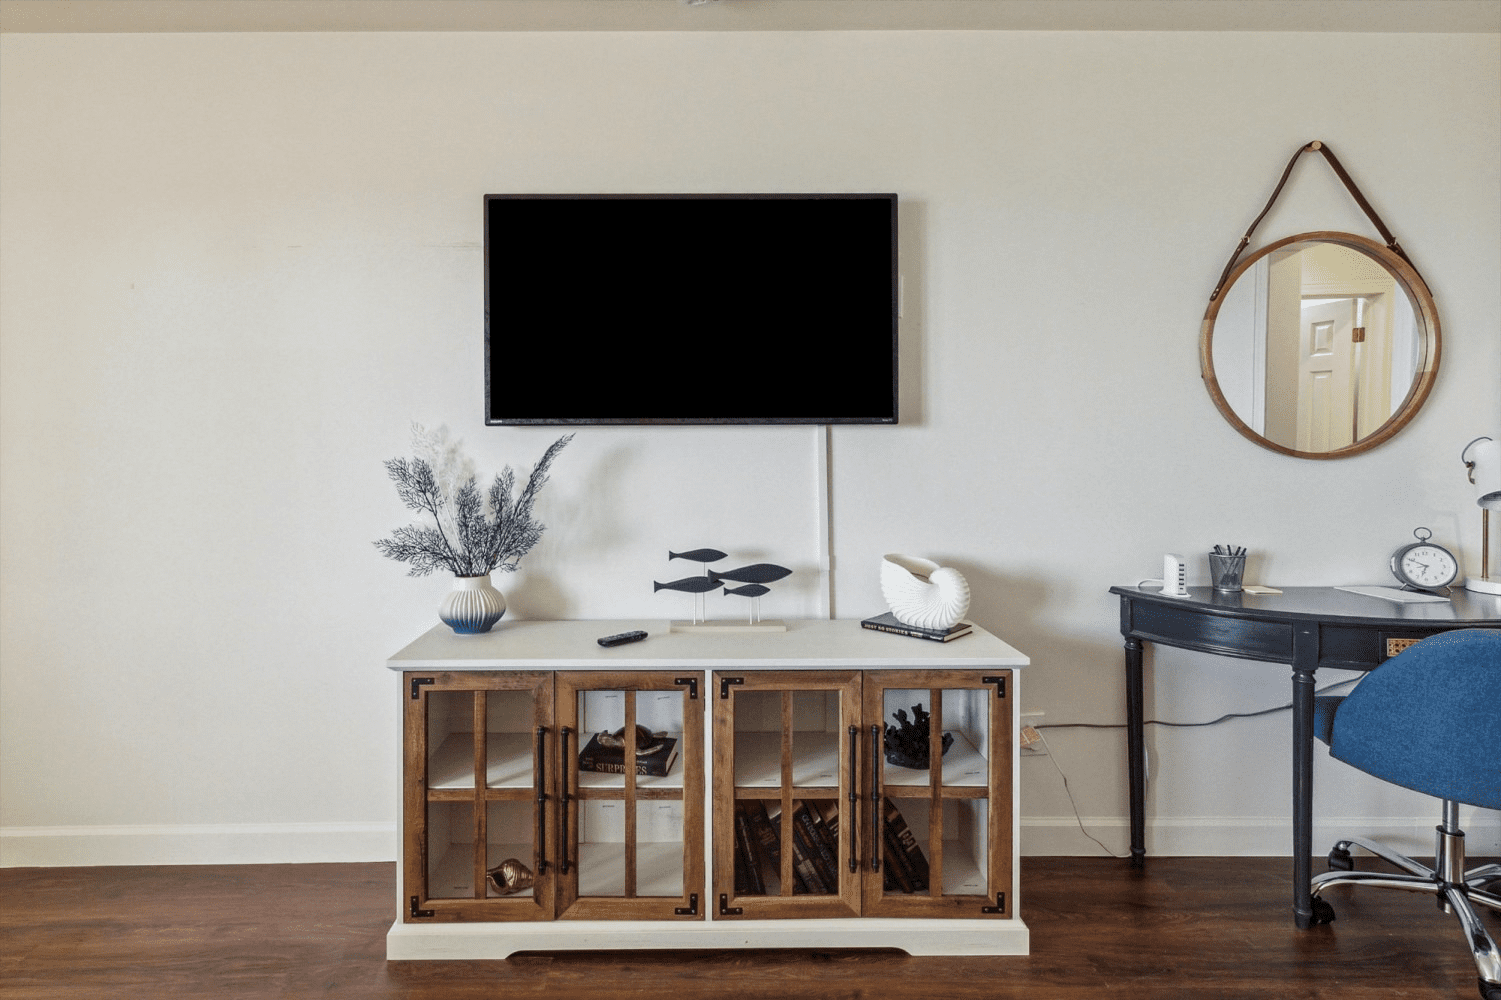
(1322,345)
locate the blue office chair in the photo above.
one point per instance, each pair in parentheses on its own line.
(1428,719)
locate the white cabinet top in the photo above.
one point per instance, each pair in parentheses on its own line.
(818,644)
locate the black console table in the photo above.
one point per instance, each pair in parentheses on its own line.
(1305,627)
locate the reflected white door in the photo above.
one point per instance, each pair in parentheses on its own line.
(1325,362)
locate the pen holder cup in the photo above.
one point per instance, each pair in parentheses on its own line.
(1226,571)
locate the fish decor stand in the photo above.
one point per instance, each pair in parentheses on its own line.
(753,580)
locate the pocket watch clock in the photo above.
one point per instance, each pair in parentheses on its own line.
(1424,565)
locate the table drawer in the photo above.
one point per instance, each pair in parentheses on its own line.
(1351,647)
(1190,628)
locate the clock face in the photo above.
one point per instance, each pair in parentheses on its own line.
(1427,566)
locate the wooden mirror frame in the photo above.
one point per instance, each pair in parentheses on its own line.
(1426,313)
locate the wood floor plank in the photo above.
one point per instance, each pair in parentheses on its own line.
(1187,929)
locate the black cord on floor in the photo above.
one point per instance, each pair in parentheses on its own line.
(1189,725)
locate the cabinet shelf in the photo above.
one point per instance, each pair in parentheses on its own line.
(964,766)
(815,760)
(453,878)
(961,871)
(659,870)
(508,761)
(815,763)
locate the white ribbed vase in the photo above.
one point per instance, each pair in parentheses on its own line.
(922,593)
(472,606)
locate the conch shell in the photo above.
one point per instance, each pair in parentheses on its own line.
(646,741)
(923,594)
(510,877)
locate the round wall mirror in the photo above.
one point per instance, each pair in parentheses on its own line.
(1322,345)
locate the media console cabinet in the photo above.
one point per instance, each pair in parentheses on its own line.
(779,741)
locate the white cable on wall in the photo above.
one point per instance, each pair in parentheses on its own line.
(821,439)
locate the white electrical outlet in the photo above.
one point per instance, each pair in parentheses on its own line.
(1030,740)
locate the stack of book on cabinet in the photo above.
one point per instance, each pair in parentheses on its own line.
(815,849)
(889,622)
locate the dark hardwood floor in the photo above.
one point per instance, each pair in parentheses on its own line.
(1188,928)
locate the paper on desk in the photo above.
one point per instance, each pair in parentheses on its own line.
(1394,594)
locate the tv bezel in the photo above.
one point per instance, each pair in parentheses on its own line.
(895,412)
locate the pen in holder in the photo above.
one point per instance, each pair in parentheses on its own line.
(1226,566)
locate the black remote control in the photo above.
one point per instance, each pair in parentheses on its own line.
(621,638)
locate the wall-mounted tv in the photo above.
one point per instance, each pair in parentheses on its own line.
(691,309)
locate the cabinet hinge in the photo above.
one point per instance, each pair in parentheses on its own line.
(724,685)
(999,907)
(691,910)
(725,910)
(419,914)
(692,683)
(417,683)
(1000,685)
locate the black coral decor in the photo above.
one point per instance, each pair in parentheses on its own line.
(907,744)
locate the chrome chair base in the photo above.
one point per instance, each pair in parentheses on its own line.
(1457,891)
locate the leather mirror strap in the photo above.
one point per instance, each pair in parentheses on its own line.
(1344,176)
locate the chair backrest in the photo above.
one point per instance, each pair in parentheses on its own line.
(1429,719)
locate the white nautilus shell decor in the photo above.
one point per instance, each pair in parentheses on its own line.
(922,593)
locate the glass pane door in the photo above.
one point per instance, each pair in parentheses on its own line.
(785,842)
(632,795)
(939,832)
(478,796)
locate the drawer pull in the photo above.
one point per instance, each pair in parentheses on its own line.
(565,864)
(877,815)
(539,835)
(854,797)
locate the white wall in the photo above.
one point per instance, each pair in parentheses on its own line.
(235,267)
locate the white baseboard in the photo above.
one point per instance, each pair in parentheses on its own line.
(1041,836)
(1250,836)
(205,844)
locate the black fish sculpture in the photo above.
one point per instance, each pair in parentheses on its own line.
(749,590)
(688,585)
(698,555)
(907,746)
(755,573)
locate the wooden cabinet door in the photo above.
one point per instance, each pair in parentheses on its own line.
(939,836)
(632,843)
(785,836)
(479,789)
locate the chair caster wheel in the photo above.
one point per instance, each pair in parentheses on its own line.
(1340,861)
(1490,991)
(1323,913)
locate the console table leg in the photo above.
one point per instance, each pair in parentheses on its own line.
(1303,687)
(1136,752)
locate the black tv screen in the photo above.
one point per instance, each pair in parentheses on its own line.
(691,309)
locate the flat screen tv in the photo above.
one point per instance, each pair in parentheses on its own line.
(691,309)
